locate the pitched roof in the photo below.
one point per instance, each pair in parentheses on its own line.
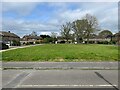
(8,34)
(32,37)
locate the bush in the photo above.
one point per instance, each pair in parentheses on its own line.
(24,43)
(16,43)
(113,42)
(62,41)
(37,42)
(3,46)
(29,43)
(90,42)
(102,42)
(47,40)
(99,42)
(105,42)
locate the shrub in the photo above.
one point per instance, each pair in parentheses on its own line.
(102,42)
(16,43)
(47,40)
(105,42)
(62,41)
(90,42)
(29,43)
(3,46)
(24,43)
(113,42)
(99,42)
(37,42)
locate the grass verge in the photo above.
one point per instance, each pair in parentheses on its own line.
(63,53)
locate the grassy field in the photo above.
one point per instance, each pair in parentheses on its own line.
(63,53)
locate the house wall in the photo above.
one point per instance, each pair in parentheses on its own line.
(8,40)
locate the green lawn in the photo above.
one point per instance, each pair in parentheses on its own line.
(63,52)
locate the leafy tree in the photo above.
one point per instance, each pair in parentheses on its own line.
(65,31)
(54,36)
(79,29)
(82,29)
(45,36)
(105,33)
(91,25)
(47,40)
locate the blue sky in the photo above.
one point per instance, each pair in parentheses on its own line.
(24,17)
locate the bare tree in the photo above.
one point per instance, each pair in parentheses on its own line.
(91,25)
(82,29)
(65,31)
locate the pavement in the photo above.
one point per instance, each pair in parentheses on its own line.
(60,65)
(16,47)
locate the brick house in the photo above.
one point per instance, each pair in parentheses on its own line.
(30,39)
(8,37)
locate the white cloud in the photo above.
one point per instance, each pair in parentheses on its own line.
(21,8)
(71,15)
(22,27)
(49,33)
(45,33)
(109,19)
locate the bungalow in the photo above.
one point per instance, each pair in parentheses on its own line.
(95,39)
(8,37)
(61,39)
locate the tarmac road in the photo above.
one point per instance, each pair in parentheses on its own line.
(60,78)
(60,75)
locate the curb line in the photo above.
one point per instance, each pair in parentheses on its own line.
(60,68)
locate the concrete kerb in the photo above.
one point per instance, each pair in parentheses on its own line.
(60,65)
(60,68)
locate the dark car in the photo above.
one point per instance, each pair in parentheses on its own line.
(3,46)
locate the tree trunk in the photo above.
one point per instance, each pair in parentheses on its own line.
(67,40)
(111,38)
(87,39)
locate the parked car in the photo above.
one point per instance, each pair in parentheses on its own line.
(3,46)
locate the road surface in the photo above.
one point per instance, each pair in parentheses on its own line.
(60,78)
